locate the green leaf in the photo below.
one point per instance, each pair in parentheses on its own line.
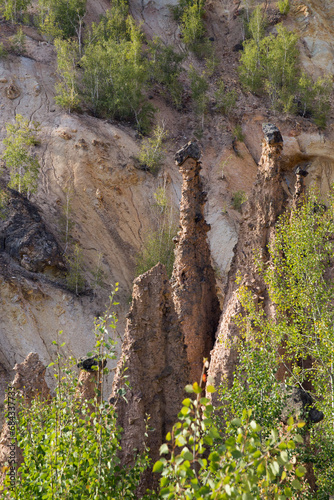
(288,492)
(189,388)
(210,388)
(275,468)
(298,438)
(180,441)
(158,466)
(296,484)
(197,389)
(187,455)
(164,449)
(300,471)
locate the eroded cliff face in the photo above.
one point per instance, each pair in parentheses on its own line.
(265,204)
(193,279)
(111,199)
(154,366)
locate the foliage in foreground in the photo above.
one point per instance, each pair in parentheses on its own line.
(298,280)
(204,464)
(70,447)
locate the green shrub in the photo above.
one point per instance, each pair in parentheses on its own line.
(237,132)
(211,60)
(158,245)
(178,10)
(257,24)
(315,98)
(225,100)
(18,155)
(65,221)
(112,25)
(17,42)
(251,72)
(199,92)
(3,51)
(204,465)
(14,10)
(115,77)
(151,151)
(62,18)
(192,27)
(75,277)
(66,90)
(4,198)
(165,65)
(271,64)
(283,6)
(238,198)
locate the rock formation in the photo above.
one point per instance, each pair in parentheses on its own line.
(30,382)
(299,186)
(25,238)
(265,204)
(89,382)
(154,356)
(30,379)
(193,279)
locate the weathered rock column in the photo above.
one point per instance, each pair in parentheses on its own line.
(193,279)
(154,356)
(90,378)
(265,204)
(30,382)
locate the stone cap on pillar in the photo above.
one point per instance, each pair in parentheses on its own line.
(272,134)
(190,150)
(91,364)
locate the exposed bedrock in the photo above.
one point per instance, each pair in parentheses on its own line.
(265,204)
(29,382)
(24,237)
(154,356)
(193,279)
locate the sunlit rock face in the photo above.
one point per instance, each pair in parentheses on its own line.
(265,204)
(153,368)
(193,279)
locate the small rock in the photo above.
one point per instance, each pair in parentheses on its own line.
(12,92)
(99,195)
(82,144)
(65,135)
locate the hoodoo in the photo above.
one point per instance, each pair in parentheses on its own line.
(193,279)
(265,204)
(154,364)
